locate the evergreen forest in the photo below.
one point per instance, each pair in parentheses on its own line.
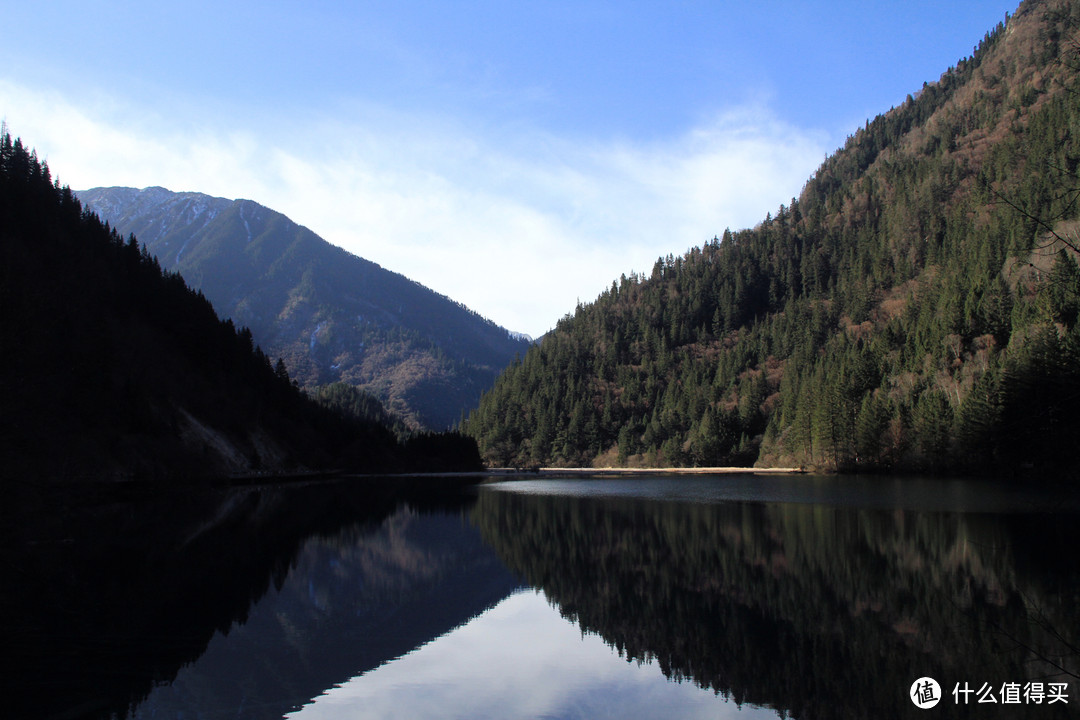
(115,368)
(914,309)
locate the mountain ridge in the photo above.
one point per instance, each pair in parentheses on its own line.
(331,315)
(914,309)
(115,369)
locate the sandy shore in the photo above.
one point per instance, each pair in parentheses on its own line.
(612,471)
(495,474)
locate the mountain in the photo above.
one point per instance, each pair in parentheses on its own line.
(114,368)
(915,308)
(332,316)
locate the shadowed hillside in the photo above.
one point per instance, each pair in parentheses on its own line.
(115,368)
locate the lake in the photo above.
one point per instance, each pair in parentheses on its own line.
(643,597)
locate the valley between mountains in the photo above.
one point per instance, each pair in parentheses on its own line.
(914,309)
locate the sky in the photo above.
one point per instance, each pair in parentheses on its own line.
(515,157)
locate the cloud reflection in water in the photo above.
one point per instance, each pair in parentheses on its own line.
(520,659)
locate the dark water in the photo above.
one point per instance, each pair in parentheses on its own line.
(628,598)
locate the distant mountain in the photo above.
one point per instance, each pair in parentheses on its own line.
(915,307)
(115,368)
(331,315)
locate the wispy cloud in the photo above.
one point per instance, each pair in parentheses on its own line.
(514,222)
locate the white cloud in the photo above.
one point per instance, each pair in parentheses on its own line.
(516,224)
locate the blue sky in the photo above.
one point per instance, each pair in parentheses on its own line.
(516,157)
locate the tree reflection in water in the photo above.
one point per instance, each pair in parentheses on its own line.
(252,601)
(818,611)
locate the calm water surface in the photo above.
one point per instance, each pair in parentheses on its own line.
(646,597)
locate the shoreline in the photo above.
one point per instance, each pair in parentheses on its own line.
(616,471)
(490,474)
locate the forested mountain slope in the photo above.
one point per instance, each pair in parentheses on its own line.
(332,316)
(114,368)
(914,308)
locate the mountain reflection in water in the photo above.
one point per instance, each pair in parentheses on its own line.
(349,604)
(518,661)
(819,609)
(655,597)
